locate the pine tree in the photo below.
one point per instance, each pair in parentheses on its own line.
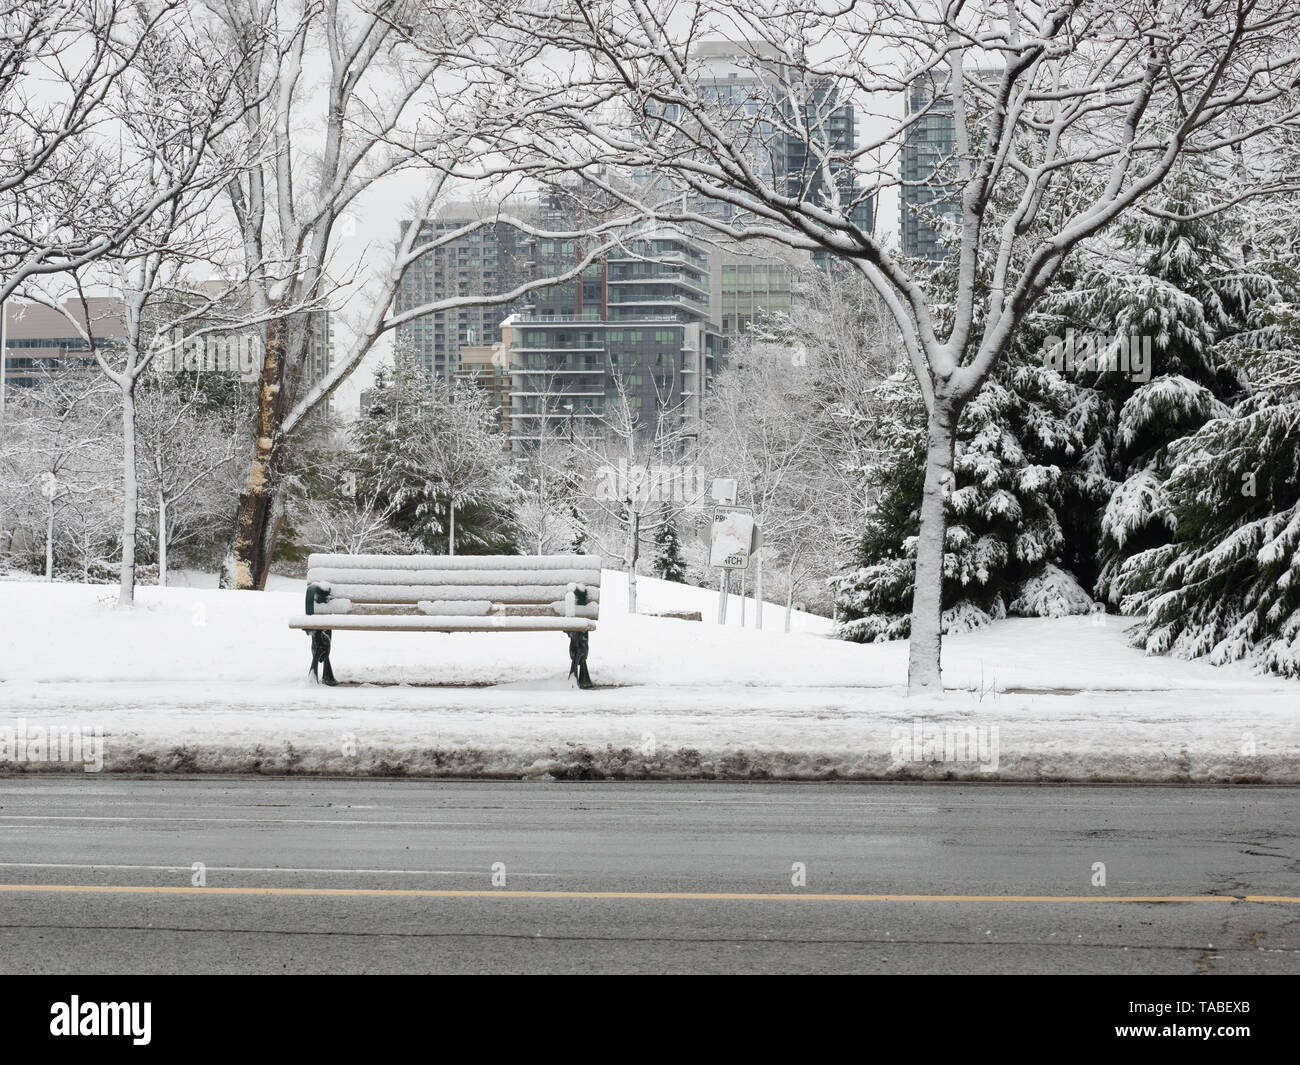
(432,457)
(1180,297)
(668,563)
(1226,585)
(1005,542)
(387,445)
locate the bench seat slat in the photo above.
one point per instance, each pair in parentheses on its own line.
(431,623)
(543,594)
(474,578)
(452,562)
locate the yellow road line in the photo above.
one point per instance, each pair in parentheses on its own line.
(687,896)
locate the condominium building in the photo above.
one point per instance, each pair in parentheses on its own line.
(929,200)
(750,86)
(481,261)
(747,287)
(636,325)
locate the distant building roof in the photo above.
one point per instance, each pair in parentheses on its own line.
(35,321)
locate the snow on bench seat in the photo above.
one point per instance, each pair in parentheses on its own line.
(422,623)
(447,593)
(468,577)
(322,561)
(440,593)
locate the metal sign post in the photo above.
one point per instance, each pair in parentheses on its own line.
(733,539)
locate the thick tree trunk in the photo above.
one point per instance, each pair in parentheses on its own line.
(162,540)
(923,668)
(789,599)
(257,519)
(451,533)
(130,501)
(758,590)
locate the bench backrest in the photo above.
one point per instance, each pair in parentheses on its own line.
(460,585)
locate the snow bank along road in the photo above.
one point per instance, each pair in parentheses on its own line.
(196,680)
(417,876)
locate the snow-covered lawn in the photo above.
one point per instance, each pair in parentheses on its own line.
(196,678)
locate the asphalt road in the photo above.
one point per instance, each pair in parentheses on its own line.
(318,876)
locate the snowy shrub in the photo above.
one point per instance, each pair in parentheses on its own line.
(1053,593)
(964,617)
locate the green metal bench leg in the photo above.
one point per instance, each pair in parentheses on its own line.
(578,645)
(320,638)
(320,654)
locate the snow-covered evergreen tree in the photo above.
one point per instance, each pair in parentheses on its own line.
(431,458)
(1164,300)
(1003,552)
(387,443)
(668,563)
(1228,585)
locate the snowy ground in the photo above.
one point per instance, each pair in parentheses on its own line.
(198,679)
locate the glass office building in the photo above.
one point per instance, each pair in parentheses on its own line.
(636,324)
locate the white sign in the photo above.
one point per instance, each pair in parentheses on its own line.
(724,490)
(732,537)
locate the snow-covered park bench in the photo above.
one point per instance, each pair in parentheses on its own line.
(462,593)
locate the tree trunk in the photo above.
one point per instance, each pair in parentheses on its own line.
(257,519)
(789,598)
(758,590)
(49,540)
(744,574)
(633,551)
(451,535)
(130,500)
(925,645)
(162,540)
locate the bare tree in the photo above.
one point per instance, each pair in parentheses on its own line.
(1071,111)
(465,457)
(184,452)
(429,87)
(635,460)
(169,109)
(762,428)
(58,456)
(549,514)
(61,63)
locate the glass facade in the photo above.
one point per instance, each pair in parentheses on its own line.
(929,198)
(485,262)
(636,324)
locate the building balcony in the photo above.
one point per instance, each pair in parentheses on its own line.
(525,349)
(663,279)
(557,394)
(546,371)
